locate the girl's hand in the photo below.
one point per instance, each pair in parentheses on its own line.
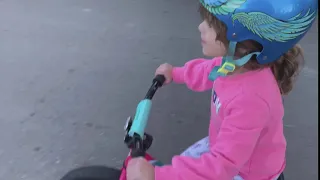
(140,169)
(166,70)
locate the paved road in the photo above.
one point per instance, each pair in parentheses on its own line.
(72,71)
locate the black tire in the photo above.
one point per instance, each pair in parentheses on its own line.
(93,173)
(281,177)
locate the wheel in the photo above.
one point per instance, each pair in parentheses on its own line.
(281,177)
(93,173)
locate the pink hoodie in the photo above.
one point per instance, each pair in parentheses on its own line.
(246,128)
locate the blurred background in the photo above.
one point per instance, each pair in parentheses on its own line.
(72,71)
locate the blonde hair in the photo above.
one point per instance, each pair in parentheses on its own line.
(285,69)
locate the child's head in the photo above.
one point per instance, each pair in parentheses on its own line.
(252,47)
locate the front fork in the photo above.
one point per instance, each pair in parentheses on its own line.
(138,145)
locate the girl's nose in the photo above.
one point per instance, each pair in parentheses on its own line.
(200,27)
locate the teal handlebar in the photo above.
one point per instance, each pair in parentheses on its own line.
(141,118)
(143,109)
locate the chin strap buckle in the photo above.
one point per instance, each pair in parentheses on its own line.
(226,68)
(222,70)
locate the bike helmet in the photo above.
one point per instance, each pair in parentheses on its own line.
(276,24)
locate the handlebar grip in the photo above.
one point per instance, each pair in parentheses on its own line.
(160,79)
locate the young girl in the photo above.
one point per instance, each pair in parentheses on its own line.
(256,59)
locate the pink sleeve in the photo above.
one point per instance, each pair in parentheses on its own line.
(195,74)
(235,142)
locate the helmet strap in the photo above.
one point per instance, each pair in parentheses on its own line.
(228,63)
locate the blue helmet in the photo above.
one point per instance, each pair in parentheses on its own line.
(276,24)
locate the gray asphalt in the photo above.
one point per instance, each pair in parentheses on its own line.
(71,71)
